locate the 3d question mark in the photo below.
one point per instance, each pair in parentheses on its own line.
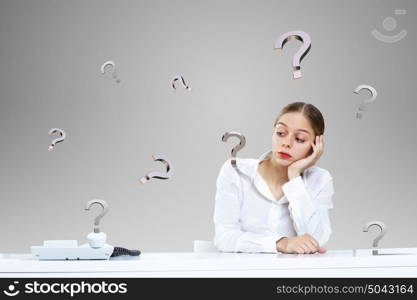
(97,239)
(105,207)
(179,77)
(381,226)
(367,101)
(159,175)
(110,63)
(58,140)
(238,147)
(301,53)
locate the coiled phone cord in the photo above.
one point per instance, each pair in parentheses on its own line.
(118,251)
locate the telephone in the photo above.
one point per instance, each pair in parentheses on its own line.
(69,250)
(96,248)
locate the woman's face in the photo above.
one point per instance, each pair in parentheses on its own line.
(293,135)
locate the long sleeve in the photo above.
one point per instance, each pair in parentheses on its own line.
(310,215)
(228,234)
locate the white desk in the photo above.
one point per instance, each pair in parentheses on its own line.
(334,263)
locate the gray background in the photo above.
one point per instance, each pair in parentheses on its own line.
(50,58)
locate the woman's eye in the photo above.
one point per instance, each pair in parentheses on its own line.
(300,140)
(280,133)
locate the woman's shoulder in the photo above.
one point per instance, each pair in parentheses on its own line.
(319,180)
(319,173)
(246,165)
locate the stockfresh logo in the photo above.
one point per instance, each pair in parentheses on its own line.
(11,291)
(71,289)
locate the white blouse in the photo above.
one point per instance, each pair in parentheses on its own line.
(248,218)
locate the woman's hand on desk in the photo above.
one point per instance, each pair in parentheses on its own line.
(302,244)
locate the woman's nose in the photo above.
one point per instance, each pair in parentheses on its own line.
(286,141)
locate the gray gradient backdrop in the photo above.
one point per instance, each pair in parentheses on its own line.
(50,58)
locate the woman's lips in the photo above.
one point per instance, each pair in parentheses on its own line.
(284,155)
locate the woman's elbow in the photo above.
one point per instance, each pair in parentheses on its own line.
(324,236)
(222,244)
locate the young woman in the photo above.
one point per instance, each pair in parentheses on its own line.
(281,201)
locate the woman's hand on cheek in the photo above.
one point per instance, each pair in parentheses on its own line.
(297,167)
